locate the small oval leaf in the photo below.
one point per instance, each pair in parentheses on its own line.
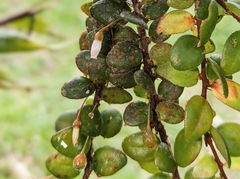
(179,4)
(174,22)
(78,88)
(170,112)
(115,95)
(61,166)
(233,99)
(144,81)
(230,134)
(198,117)
(185,151)
(230,62)
(180,78)
(163,158)
(108,160)
(136,113)
(134,147)
(206,167)
(185,54)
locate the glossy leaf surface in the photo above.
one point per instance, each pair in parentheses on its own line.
(61,166)
(112,122)
(62,142)
(77,88)
(208,24)
(108,160)
(185,151)
(90,120)
(185,54)
(230,62)
(134,147)
(198,117)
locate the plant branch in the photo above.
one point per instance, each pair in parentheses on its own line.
(224,6)
(88,169)
(208,140)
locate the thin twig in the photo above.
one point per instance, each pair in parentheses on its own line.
(208,140)
(224,6)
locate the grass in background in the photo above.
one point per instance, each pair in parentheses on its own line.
(27,116)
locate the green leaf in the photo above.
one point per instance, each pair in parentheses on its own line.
(209,47)
(218,70)
(202,10)
(230,62)
(168,91)
(136,113)
(155,9)
(179,78)
(105,11)
(134,147)
(206,167)
(212,76)
(61,166)
(198,117)
(234,7)
(208,24)
(160,175)
(160,53)
(185,151)
(115,95)
(78,88)
(221,145)
(144,81)
(185,54)
(174,22)
(14,42)
(140,92)
(231,135)
(170,112)
(108,160)
(133,18)
(164,159)
(180,4)
(149,166)
(62,142)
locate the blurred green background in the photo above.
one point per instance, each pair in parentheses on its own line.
(29,107)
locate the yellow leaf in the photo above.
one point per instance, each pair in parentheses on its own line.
(174,22)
